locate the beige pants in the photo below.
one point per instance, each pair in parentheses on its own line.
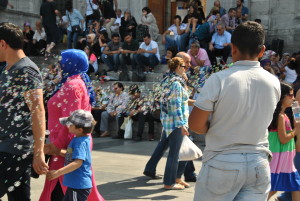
(108,25)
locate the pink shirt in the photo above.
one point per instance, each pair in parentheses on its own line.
(202,55)
(71,96)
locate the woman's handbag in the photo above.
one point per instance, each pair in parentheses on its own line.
(75,28)
(188,150)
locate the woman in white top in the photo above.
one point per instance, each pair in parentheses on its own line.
(149,20)
(39,37)
(289,72)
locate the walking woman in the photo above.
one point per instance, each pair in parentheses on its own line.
(174,118)
(73,92)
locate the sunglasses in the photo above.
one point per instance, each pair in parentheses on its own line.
(290,95)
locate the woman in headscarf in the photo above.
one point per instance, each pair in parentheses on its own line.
(72,93)
(149,20)
(128,24)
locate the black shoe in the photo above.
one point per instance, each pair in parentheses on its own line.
(117,137)
(190,179)
(138,138)
(151,175)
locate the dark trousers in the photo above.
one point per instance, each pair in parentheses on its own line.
(77,194)
(40,44)
(225,52)
(142,118)
(189,171)
(143,61)
(97,116)
(127,59)
(15,174)
(52,32)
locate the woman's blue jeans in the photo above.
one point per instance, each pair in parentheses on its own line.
(174,169)
(72,39)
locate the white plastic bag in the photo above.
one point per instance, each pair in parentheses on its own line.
(128,129)
(188,150)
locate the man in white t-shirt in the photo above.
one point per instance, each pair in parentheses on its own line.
(179,39)
(241,101)
(147,54)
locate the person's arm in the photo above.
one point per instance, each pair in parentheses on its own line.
(198,120)
(164,36)
(53,174)
(282,135)
(116,5)
(199,61)
(194,27)
(34,101)
(106,51)
(153,51)
(187,30)
(180,31)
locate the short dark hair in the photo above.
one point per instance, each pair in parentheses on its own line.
(249,38)
(177,17)
(120,85)
(173,49)
(231,9)
(127,34)
(115,35)
(146,35)
(12,35)
(69,5)
(87,130)
(257,20)
(147,9)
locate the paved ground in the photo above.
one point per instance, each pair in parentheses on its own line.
(118,167)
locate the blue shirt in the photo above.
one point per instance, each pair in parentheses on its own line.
(219,40)
(81,178)
(173,103)
(75,17)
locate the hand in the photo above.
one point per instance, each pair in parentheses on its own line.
(53,174)
(195,20)
(189,20)
(163,41)
(211,47)
(51,149)
(184,131)
(39,165)
(112,114)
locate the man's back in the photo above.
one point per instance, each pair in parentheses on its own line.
(243,99)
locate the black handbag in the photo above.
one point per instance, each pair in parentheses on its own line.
(75,28)
(96,13)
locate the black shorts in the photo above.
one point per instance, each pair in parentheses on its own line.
(15,171)
(77,194)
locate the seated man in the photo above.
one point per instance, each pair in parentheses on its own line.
(111,53)
(138,110)
(229,20)
(198,55)
(129,49)
(148,54)
(220,44)
(115,110)
(245,11)
(238,17)
(99,107)
(179,38)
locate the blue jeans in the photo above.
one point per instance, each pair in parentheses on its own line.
(72,38)
(174,169)
(178,41)
(127,59)
(112,61)
(143,61)
(238,177)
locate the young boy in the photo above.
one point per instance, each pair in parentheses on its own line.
(77,169)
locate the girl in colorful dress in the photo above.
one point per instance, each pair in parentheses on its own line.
(284,176)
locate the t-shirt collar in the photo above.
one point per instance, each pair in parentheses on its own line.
(247,63)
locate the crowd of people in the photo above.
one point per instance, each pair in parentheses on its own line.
(243,108)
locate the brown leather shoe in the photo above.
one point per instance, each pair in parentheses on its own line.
(105,134)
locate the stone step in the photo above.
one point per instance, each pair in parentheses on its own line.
(150,77)
(144,86)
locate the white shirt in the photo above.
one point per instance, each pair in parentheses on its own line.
(290,75)
(242,100)
(150,47)
(38,36)
(173,28)
(89,10)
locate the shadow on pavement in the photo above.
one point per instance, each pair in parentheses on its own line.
(138,188)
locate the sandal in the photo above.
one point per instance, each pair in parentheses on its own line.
(183,183)
(174,187)
(105,134)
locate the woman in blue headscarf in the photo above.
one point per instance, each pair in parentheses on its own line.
(72,93)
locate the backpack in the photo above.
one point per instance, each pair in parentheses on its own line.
(138,76)
(124,76)
(141,30)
